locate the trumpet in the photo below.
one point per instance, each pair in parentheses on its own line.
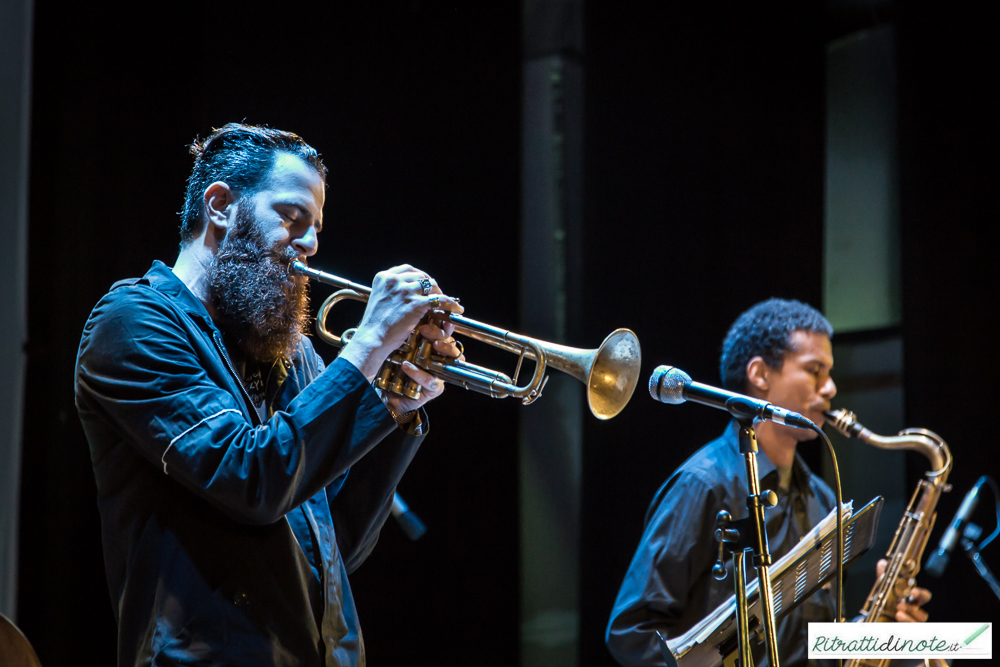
(610,372)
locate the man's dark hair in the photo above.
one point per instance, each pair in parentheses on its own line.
(764,331)
(240,156)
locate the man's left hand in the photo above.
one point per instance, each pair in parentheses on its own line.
(908,610)
(440,333)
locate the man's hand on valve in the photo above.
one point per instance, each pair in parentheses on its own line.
(908,610)
(440,332)
(401,297)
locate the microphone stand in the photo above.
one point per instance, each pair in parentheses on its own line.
(972,551)
(757,538)
(762,556)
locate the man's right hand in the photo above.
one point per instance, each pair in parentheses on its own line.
(395,307)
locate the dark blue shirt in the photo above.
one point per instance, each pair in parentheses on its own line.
(669,585)
(228,538)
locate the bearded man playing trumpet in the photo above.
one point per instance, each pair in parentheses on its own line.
(239,481)
(778,351)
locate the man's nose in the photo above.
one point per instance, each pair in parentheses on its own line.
(308,243)
(829,389)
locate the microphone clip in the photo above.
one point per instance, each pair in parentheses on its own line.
(738,534)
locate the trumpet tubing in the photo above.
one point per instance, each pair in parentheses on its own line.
(610,372)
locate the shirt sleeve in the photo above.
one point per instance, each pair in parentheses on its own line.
(674,554)
(361,505)
(147,378)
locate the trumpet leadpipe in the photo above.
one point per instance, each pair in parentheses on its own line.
(330,279)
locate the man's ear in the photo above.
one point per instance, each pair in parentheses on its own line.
(757,374)
(220,207)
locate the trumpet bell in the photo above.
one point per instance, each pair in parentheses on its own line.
(614,374)
(610,372)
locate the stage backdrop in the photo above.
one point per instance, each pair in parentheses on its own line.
(703,192)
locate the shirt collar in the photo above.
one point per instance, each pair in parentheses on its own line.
(801,474)
(800,471)
(162,278)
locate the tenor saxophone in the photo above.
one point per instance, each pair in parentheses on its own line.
(908,544)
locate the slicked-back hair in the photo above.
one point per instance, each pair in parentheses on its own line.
(241,156)
(764,330)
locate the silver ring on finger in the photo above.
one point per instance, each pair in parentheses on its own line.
(426,285)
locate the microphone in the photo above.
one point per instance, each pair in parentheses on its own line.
(674,386)
(938,560)
(411,524)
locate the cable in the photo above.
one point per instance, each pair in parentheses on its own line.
(840,523)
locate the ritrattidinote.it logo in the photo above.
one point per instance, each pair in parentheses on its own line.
(901,640)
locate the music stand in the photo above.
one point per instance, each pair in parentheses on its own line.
(796,576)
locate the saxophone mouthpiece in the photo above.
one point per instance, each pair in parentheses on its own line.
(845,422)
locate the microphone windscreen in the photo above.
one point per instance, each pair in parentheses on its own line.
(667,384)
(411,524)
(936,563)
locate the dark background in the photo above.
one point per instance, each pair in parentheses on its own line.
(704,159)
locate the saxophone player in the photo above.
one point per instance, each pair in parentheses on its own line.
(778,351)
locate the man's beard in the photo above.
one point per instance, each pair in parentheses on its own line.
(260,302)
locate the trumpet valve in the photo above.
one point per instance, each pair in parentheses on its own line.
(392,378)
(405,386)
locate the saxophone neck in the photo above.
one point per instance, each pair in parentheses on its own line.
(928,443)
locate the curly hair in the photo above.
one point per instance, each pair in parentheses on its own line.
(763,331)
(240,156)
